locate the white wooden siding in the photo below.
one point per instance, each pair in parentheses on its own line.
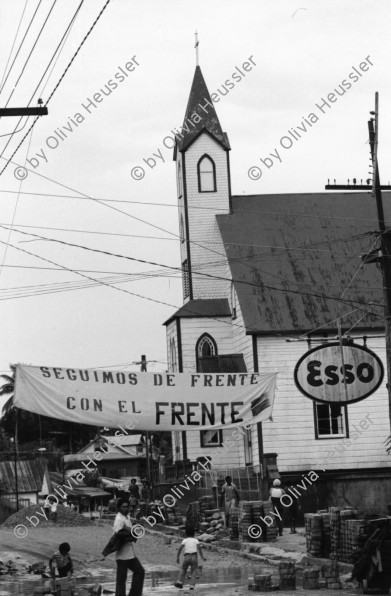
(292,433)
(207,248)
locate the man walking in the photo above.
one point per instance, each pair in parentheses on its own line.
(229,493)
(125,555)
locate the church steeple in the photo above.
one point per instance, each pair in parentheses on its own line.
(200,115)
(204,190)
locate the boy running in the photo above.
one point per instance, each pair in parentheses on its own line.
(191,548)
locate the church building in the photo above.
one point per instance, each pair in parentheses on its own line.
(266,278)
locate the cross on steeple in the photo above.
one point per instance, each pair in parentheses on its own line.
(196,48)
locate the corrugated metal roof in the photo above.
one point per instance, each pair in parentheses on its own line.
(293,256)
(214,307)
(226,363)
(30,476)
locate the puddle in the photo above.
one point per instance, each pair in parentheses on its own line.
(162,578)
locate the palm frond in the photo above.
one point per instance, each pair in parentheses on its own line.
(9,404)
(7,388)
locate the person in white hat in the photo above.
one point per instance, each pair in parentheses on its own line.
(276,492)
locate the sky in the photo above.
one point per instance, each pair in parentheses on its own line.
(67,306)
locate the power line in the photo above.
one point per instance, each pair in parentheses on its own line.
(186,308)
(58,49)
(58,83)
(195,207)
(243,282)
(244,259)
(14,213)
(20,45)
(285,248)
(31,52)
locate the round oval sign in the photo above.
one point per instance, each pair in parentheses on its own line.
(325,374)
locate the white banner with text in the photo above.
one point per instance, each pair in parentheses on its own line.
(152,401)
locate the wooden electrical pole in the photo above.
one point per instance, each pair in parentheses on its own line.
(16,460)
(143,368)
(385,240)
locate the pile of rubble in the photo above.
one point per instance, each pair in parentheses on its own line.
(203,516)
(8,568)
(66,517)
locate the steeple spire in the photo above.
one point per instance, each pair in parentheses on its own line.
(197,43)
(200,115)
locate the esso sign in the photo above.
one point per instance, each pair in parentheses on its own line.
(333,374)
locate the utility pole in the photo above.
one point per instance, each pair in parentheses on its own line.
(16,460)
(143,368)
(385,239)
(382,256)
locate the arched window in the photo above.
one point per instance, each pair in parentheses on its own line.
(206,171)
(206,346)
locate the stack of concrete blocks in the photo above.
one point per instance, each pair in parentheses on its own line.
(64,586)
(355,528)
(234,523)
(245,520)
(262,582)
(211,520)
(206,504)
(257,513)
(313,532)
(287,571)
(326,533)
(330,573)
(173,516)
(272,530)
(335,529)
(344,551)
(310,578)
(193,516)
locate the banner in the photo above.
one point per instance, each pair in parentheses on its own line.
(151,401)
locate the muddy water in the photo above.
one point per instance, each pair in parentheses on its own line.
(155,581)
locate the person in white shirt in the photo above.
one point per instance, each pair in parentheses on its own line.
(191,548)
(276,492)
(53,509)
(125,556)
(229,495)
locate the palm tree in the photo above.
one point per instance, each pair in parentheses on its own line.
(7,388)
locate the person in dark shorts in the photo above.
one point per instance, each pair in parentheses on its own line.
(125,555)
(62,560)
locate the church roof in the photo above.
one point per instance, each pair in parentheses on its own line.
(213,307)
(292,257)
(207,117)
